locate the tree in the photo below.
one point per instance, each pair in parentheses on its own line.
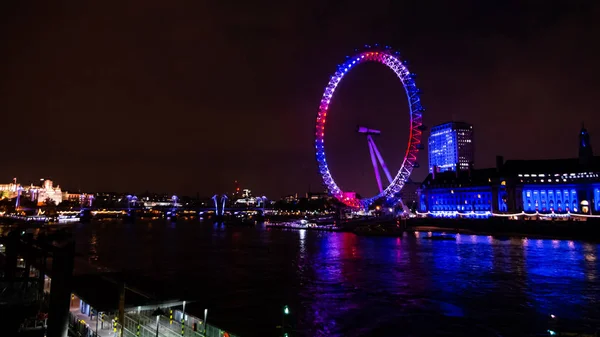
(49,203)
(68,204)
(49,207)
(7,205)
(5,194)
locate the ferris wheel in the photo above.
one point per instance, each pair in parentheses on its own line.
(389,58)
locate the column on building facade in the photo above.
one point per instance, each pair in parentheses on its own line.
(514,199)
(422,200)
(495,199)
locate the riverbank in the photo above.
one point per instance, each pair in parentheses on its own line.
(559,230)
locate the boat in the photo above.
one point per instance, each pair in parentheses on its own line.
(323,221)
(304,224)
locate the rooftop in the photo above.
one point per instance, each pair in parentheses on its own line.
(512,168)
(569,165)
(455,124)
(101,291)
(471,177)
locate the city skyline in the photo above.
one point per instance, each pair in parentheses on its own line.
(129,104)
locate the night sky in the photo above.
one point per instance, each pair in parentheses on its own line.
(188,96)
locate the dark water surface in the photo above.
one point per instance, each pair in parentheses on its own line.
(339,284)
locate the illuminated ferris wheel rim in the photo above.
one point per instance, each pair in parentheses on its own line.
(390,59)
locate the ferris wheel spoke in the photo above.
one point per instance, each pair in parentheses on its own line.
(380,158)
(372,150)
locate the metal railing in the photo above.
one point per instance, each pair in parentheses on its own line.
(194,327)
(143,324)
(79,327)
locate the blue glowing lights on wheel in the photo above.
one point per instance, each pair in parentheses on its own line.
(390,59)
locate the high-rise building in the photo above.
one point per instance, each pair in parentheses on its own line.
(451,147)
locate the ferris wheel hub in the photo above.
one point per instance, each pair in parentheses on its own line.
(365,130)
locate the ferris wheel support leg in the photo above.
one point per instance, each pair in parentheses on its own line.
(403,205)
(380,158)
(375,168)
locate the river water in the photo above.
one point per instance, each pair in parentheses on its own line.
(339,284)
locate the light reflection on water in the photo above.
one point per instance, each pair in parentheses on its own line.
(339,284)
(93,257)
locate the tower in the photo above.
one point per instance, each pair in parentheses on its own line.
(451,147)
(585,147)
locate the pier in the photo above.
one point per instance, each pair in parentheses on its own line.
(41,295)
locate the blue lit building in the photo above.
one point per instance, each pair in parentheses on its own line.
(555,186)
(451,147)
(448,194)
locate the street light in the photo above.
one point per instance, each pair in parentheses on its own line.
(157,313)
(205,317)
(286,311)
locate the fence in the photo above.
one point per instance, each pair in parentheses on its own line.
(79,328)
(194,327)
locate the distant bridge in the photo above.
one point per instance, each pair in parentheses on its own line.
(200,210)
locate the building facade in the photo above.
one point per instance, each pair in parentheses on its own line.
(47,191)
(451,147)
(9,191)
(520,186)
(554,187)
(450,194)
(83,199)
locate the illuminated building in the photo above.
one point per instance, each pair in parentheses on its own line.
(451,147)
(448,194)
(291,198)
(47,191)
(249,200)
(9,187)
(9,191)
(82,199)
(151,204)
(35,193)
(317,196)
(545,186)
(246,201)
(550,187)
